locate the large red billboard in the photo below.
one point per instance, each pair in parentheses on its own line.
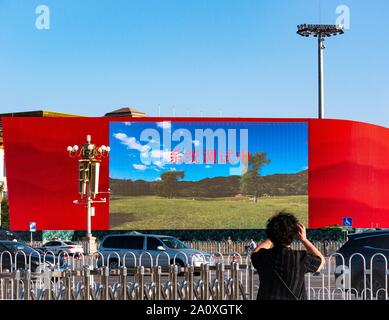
(347,170)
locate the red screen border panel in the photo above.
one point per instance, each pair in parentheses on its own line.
(348,173)
(42,179)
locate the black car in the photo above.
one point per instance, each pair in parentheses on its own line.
(373,247)
(5,234)
(22,253)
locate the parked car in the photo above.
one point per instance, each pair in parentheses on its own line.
(147,250)
(16,254)
(364,246)
(60,247)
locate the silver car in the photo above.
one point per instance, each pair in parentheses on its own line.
(59,247)
(148,250)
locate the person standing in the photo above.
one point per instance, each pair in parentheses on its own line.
(282,270)
(326,244)
(251,246)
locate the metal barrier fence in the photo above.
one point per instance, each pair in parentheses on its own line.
(226,248)
(89,278)
(49,277)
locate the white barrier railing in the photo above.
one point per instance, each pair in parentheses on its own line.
(327,247)
(228,247)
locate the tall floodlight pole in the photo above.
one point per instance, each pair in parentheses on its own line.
(321,47)
(320,31)
(88,182)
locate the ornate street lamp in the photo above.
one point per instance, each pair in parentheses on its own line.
(88,181)
(321,31)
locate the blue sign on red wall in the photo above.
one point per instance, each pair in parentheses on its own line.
(347,222)
(32,226)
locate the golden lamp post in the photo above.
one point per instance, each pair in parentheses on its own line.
(88,182)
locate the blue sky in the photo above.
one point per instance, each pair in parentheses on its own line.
(286,145)
(200,57)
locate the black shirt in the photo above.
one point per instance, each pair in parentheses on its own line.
(291,266)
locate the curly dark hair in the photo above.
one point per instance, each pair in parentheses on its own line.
(282,229)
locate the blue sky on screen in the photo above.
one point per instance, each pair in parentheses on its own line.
(286,144)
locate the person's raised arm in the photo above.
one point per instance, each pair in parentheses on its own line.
(267,244)
(309,246)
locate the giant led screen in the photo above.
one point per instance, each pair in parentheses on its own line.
(206,175)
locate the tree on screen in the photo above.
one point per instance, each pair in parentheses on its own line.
(252,182)
(169,182)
